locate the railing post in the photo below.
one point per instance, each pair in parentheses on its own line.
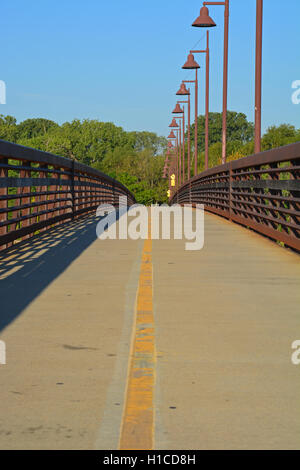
(83,193)
(190,193)
(51,197)
(93,199)
(25,200)
(73,189)
(3,202)
(63,195)
(89,182)
(230,191)
(114,194)
(43,197)
(86,194)
(57,195)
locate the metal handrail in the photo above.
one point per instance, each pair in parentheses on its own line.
(260,192)
(39,190)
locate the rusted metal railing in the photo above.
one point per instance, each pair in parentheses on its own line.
(261,192)
(39,190)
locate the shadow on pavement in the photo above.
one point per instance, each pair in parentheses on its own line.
(29,267)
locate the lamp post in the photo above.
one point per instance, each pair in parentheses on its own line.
(170,167)
(181,149)
(258,74)
(191,64)
(170,154)
(206,52)
(175,126)
(166,165)
(173,153)
(172,149)
(189,144)
(184,92)
(179,110)
(205,21)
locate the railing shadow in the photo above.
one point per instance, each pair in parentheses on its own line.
(29,267)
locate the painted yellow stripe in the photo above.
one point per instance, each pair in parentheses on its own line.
(137,430)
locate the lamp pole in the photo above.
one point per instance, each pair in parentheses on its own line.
(196,123)
(206,51)
(188,103)
(191,64)
(178,157)
(176,127)
(204,21)
(258,74)
(196,130)
(189,135)
(183,146)
(184,92)
(173,137)
(172,170)
(180,147)
(178,110)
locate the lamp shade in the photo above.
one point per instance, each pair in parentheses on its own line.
(172,135)
(182,90)
(177,109)
(204,20)
(173,123)
(191,63)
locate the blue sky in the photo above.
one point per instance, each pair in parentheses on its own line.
(120,61)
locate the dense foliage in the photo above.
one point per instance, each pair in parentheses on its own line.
(134,158)
(240,137)
(137,158)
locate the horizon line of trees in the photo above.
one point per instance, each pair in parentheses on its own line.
(137,158)
(240,137)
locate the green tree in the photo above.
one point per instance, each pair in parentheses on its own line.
(279,136)
(239,129)
(8,128)
(31,128)
(147,140)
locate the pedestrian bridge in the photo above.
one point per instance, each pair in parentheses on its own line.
(124,344)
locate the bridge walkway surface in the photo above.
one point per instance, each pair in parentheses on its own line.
(131,344)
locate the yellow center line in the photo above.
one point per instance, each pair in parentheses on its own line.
(137,429)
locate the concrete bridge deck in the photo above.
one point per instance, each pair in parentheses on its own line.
(131,344)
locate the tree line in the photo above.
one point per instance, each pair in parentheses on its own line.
(240,137)
(137,158)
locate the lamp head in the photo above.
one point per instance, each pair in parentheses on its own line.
(183,91)
(172,135)
(204,20)
(177,109)
(191,63)
(173,123)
